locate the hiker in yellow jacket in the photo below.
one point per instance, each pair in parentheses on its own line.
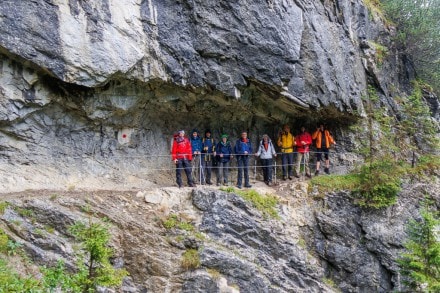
(286,142)
(323,141)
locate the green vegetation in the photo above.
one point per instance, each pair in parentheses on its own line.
(94,266)
(420,264)
(173,221)
(381,53)
(379,184)
(3,241)
(10,281)
(264,203)
(375,8)
(190,259)
(3,206)
(418,34)
(416,119)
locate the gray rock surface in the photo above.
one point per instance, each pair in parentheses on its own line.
(321,245)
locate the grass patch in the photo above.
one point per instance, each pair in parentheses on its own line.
(173,221)
(3,206)
(25,213)
(336,182)
(215,275)
(264,203)
(190,259)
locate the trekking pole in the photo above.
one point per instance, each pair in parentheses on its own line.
(255,169)
(201,175)
(304,160)
(275,170)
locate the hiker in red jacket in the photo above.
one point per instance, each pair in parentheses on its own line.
(303,141)
(182,155)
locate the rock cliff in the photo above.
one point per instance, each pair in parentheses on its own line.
(91,91)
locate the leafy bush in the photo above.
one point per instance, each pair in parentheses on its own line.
(10,281)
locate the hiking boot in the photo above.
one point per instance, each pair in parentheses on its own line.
(248,186)
(218,184)
(290,177)
(238,186)
(284,178)
(296,176)
(180,185)
(209,182)
(192,185)
(326,170)
(316,172)
(309,175)
(269,183)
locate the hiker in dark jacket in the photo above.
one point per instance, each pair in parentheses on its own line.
(196,146)
(224,156)
(266,152)
(208,155)
(243,149)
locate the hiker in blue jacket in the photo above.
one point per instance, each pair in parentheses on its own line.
(243,149)
(224,155)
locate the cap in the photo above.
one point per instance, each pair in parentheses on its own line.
(181,131)
(224,135)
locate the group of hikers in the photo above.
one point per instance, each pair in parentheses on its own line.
(218,156)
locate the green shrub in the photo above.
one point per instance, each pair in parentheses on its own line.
(10,281)
(190,259)
(170,222)
(379,184)
(173,221)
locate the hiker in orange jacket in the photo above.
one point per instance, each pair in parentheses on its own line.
(323,141)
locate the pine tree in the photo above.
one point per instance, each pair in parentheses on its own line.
(420,263)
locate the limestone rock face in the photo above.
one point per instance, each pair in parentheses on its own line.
(92,91)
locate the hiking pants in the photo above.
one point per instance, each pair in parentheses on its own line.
(299,158)
(287,161)
(267,169)
(183,164)
(243,166)
(223,171)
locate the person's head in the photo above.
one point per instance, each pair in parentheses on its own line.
(286,128)
(181,133)
(321,126)
(244,135)
(224,138)
(208,133)
(195,132)
(303,129)
(265,137)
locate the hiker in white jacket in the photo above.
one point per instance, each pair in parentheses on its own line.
(266,152)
